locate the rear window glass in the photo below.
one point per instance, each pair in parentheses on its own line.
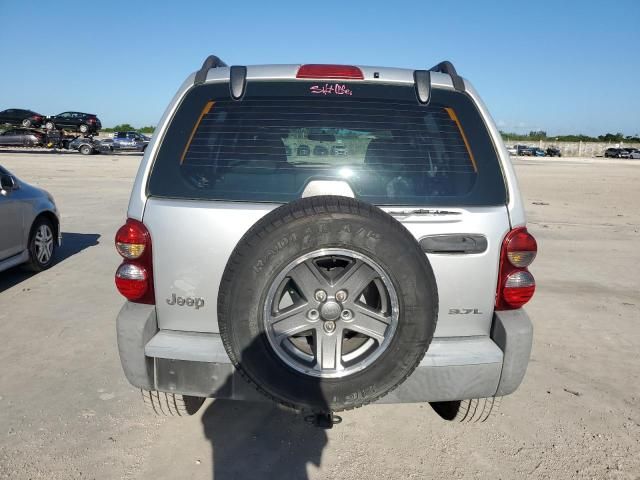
(281,136)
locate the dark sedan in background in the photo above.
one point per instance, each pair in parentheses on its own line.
(87,123)
(19,117)
(21,137)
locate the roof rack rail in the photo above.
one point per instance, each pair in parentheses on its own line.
(448,68)
(210,62)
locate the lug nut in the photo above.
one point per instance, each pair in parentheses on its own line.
(321,295)
(346,315)
(341,296)
(313,314)
(329,326)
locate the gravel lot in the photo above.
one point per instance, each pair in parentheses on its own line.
(66,410)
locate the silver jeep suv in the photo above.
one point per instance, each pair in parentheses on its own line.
(393,272)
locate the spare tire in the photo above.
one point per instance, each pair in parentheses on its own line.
(327,303)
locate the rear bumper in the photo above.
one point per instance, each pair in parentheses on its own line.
(197,364)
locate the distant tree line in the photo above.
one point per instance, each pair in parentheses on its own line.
(542,135)
(125,127)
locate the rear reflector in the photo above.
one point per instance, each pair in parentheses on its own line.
(132,281)
(346,72)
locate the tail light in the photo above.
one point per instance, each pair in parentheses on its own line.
(346,72)
(134,277)
(91,120)
(516,285)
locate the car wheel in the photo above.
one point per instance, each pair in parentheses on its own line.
(86,150)
(318,307)
(42,245)
(171,404)
(49,125)
(84,128)
(26,123)
(476,410)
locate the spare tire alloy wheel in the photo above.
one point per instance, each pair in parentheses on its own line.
(331,327)
(84,128)
(26,123)
(49,125)
(327,303)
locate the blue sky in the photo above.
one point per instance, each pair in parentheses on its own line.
(564,67)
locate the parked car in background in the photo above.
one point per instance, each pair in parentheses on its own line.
(537,152)
(85,145)
(320,151)
(76,121)
(303,151)
(616,153)
(21,137)
(19,117)
(512,150)
(523,150)
(339,150)
(30,224)
(553,152)
(635,153)
(126,141)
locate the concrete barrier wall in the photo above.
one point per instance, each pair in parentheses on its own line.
(576,149)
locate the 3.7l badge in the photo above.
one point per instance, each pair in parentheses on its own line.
(464,311)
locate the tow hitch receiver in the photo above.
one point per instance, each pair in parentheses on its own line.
(324,420)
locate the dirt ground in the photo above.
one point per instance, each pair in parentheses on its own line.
(66,410)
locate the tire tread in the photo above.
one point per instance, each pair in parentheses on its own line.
(474,410)
(170,404)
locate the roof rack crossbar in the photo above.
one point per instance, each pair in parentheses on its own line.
(210,62)
(448,68)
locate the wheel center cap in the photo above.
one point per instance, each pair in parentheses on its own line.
(330,310)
